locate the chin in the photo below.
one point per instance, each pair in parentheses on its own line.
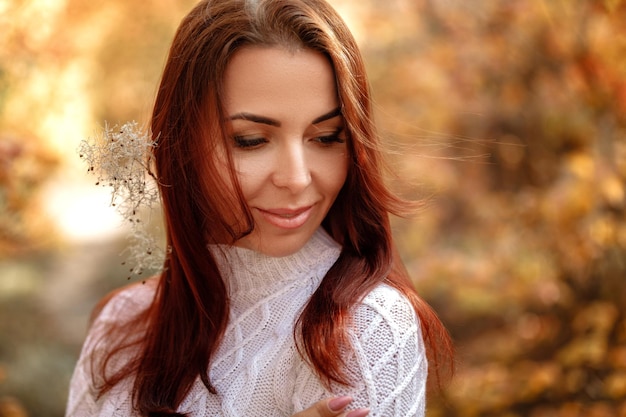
(276,247)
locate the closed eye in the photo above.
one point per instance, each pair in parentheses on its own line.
(248,143)
(328,140)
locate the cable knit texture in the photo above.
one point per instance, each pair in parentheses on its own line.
(257,370)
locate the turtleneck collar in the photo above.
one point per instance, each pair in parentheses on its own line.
(252,275)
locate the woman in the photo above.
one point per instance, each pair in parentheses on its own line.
(280,287)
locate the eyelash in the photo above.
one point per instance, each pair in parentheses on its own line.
(328,140)
(243,143)
(251,143)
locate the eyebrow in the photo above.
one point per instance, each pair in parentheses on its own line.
(331,114)
(273,122)
(256,119)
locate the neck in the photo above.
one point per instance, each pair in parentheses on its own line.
(252,274)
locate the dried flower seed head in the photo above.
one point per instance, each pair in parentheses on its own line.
(121,158)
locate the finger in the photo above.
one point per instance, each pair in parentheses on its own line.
(361,412)
(338,404)
(330,407)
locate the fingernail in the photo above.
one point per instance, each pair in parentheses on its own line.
(339,403)
(361,412)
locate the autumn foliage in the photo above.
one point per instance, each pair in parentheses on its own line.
(520,134)
(507,117)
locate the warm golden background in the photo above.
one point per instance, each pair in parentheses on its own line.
(509,116)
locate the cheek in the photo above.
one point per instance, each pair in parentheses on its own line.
(252,173)
(333,172)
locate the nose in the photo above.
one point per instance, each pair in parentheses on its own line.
(291,169)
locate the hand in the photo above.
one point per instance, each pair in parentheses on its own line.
(332,407)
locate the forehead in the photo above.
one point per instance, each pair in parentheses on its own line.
(274,81)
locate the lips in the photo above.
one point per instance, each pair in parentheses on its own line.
(287,218)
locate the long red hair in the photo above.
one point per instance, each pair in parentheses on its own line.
(188,316)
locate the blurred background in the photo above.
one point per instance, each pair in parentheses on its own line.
(506,117)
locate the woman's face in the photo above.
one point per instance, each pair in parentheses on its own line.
(288,143)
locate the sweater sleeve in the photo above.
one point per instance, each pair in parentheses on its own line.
(83,398)
(388,359)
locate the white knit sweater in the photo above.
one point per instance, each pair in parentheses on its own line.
(257,370)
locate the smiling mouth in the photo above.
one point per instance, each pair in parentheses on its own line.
(287,218)
(286,215)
